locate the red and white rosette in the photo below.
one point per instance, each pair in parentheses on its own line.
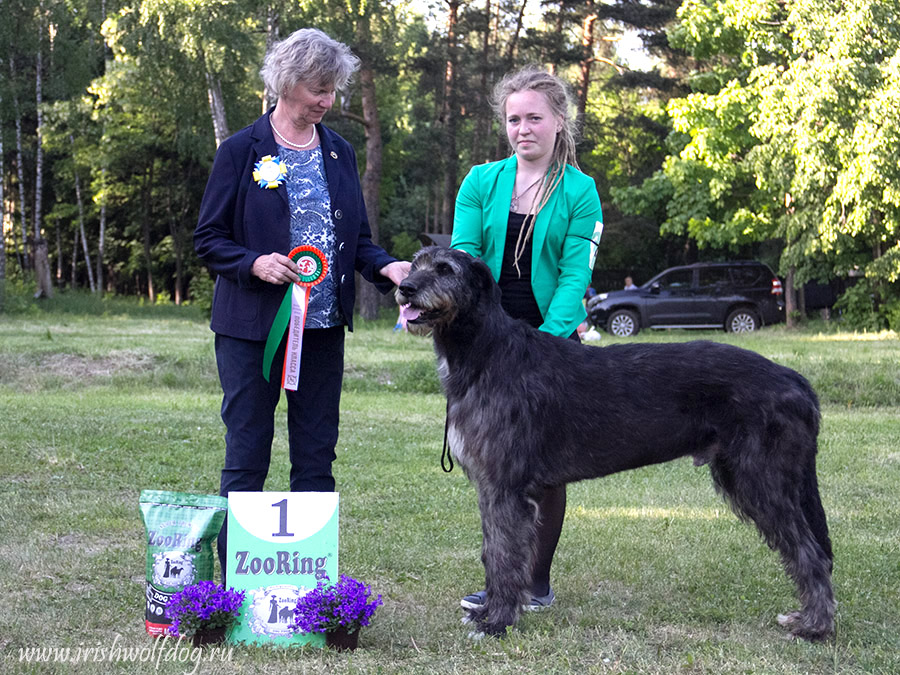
(312,270)
(291,316)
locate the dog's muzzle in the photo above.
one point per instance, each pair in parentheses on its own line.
(405,298)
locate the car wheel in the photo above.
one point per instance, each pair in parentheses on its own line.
(742,321)
(623,323)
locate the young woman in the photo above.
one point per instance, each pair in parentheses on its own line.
(535,219)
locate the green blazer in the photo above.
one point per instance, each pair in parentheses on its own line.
(564,241)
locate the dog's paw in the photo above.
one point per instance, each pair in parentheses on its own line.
(789,620)
(493,629)
(474,615)
(476,635)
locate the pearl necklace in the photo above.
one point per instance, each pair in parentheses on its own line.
(293,145)
(515,198)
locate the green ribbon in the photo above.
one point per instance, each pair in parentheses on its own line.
(282,319)
(283,316)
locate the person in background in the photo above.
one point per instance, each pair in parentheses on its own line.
(252,215)
(585,326)
(629,284)
(535,220)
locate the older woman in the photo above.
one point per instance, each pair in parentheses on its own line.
(535,219)
(248,225)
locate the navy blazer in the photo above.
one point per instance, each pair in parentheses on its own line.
(240,221)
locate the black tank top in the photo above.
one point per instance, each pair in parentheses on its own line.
(517,296)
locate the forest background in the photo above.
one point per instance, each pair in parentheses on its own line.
(765,129)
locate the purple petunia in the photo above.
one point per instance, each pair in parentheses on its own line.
(346,603)
(201,606)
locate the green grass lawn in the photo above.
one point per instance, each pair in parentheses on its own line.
(653,572)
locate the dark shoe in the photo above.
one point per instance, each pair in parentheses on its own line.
(473,601)
(476,600)
(541,603)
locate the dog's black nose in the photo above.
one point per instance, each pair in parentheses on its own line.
(407,288)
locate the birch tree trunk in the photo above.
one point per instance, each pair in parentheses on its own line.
(74,279)
(20,173)
(145,228)
(273,33)
(101,239)
(216,103)
(101,243)
(59,255)
(84,244)
(42,260)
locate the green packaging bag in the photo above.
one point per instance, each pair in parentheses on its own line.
(180,531)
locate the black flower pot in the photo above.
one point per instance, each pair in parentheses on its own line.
(341,639)
(209,636)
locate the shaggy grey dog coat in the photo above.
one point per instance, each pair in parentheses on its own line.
(528,411)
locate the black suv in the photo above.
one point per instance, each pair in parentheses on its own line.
(737,296)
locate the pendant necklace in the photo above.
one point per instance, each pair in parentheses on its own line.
(515,198)
(293,145)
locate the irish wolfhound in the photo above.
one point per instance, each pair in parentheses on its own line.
(528,411)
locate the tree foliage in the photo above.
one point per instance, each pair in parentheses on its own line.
(789,135)
(767,127)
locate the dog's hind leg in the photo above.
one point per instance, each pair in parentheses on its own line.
(508,524)
(781,501)
(815,621)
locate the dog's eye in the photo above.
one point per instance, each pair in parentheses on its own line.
(443,268)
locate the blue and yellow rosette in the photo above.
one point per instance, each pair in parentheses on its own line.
(291,316)
(269,172)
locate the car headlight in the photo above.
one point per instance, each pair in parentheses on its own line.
(602,296)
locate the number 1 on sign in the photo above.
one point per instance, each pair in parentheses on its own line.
(282,520)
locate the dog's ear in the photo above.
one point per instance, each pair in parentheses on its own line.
(487,285)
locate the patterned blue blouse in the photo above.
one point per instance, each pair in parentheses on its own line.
(311,226)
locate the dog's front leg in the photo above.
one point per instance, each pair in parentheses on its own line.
(507,523)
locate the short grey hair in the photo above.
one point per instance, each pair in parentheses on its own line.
(309,56)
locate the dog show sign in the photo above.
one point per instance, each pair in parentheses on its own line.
(280,545)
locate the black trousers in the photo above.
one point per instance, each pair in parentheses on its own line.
(248,411)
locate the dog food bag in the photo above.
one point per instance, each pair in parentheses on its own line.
(180,531)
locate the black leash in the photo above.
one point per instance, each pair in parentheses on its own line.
(445,452)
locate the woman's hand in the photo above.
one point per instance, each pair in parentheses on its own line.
(275,268)
(396,271)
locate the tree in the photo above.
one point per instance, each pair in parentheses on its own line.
(2,218)
(778,135)
(41,257)
(366,16)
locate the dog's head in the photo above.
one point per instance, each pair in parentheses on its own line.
(443,285)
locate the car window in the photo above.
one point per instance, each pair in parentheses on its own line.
(713,276)
(747,277)
(679,279)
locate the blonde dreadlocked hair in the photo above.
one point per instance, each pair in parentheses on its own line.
(556,91)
